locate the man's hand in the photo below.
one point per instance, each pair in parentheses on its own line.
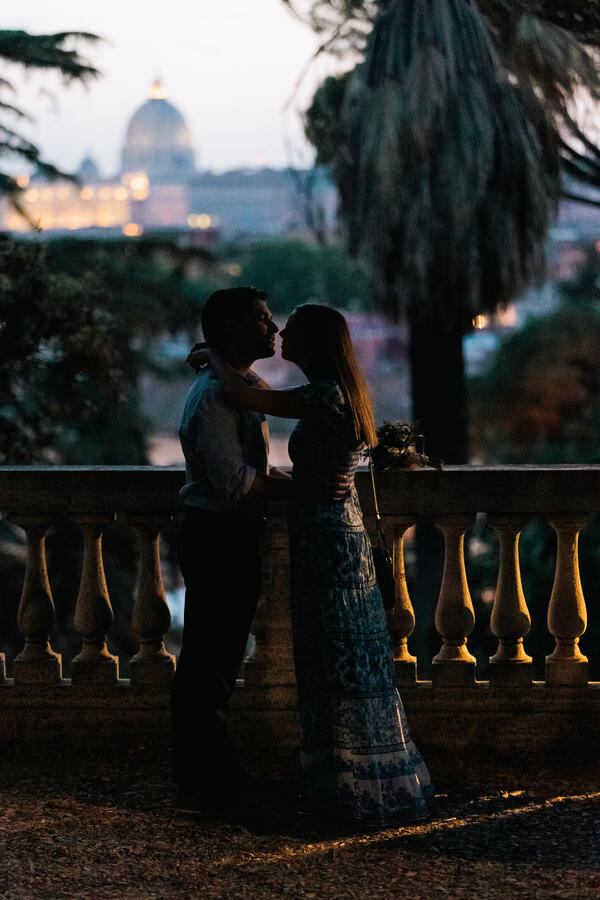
(330,488)
(198,356)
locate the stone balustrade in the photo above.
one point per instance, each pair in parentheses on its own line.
(147,498)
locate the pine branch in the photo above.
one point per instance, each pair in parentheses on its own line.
(19,113)
(46,51)
(576,198)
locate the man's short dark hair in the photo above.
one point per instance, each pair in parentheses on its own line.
(226,305)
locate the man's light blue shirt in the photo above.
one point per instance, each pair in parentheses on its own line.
(224,447)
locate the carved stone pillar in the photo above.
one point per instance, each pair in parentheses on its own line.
(93,612)
(454,616)
(151,617)
(401,619)
(270,668)
(510,620)
(37,663)
(567,615)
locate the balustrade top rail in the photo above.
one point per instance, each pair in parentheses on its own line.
(496,490)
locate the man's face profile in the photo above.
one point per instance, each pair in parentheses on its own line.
(257,331)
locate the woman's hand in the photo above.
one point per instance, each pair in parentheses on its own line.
(198,356)
(325,488)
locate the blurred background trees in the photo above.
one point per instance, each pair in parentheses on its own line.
(447,141)
(79,322)
(539,402)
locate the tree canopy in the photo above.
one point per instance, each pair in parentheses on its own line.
(78,322)
(540,400)
(448,140)
(295,272)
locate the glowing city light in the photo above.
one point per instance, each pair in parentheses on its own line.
(87,193)
(234,269)
(32,195)
(137,182)
(507,318)
(157,91)
(120,193)
(132,229)
(23,181)
(199,220)
(480,322)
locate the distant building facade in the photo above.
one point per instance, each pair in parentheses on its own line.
(158,187)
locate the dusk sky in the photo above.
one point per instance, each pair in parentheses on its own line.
(230,66)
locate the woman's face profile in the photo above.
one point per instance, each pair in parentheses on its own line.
(291,341)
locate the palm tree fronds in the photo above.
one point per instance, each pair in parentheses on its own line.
(578,198)
(552,62)
(343,23)
(452,184)
(581,18)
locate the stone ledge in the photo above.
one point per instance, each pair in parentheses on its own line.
(536,721)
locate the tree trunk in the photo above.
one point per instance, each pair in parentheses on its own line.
(439,394)
(440,408)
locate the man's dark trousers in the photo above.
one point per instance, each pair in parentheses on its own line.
(219,556)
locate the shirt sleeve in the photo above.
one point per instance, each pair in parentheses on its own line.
(217,443)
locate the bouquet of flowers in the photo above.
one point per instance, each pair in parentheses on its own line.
(400,447)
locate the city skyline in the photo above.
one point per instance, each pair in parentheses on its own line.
(218,63)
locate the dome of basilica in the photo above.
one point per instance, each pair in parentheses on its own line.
(158,140)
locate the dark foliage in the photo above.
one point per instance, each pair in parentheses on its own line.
(540,400)
(43,53)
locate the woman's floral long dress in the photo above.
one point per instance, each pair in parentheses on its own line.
(358,760)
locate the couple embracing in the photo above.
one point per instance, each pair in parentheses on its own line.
(359,763)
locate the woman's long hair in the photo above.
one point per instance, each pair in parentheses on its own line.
(329,350)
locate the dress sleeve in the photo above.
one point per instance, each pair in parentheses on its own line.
(324,400)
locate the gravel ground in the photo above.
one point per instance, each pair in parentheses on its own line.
(102,828)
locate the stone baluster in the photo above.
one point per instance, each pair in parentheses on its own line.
(270,668)
(454,616)
(151,617)
(37,663)
(93,612)
(510,620)
(567,615)
(401,619)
